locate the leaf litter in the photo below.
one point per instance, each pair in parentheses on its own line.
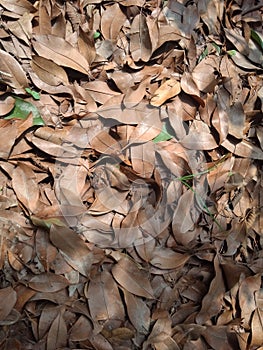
(131,175)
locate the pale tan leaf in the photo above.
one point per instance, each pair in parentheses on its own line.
(242,62)
(204,75)
(25,185)
(6,105)
(18,7)
(14,74)
(170,88)
(112,20)
(22,28)
(246,295)
(257,328)
(61,52)
(130,277)
(48,71)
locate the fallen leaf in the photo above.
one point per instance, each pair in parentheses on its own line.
(48,282)
(130,277)
(104,298)
(57,335)
(8,298)
(61,52)
(140,41)
(138,312)
(48,71)
(170,88)
(25,185)
(14,75)
(72,248)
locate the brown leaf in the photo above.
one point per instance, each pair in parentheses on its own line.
(130,277)
(199,140)
(57,335)
(6,105)
(204,75)
(246,296)
(112,20)
(104,298)
(148,128)
(257,328)
(14,75)
(244,149)
(18,7)
(48,282)
(61,52)
(140,41)
(164,258)
(25,185)
(8,299)
(138,312)
(48,71)
(73,248)
(81,330)
(212,302)
(170,88)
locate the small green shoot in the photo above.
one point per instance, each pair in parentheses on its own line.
(22,109)
(34,94)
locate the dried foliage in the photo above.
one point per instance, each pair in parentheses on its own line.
(131,174)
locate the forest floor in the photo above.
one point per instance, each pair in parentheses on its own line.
(131,175)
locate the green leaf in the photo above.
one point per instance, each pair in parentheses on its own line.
(203,55)
(22,109)
(232,52)
(46,223)
(34,94)
(96,35)
(218,48)
(163,136)
(258,38)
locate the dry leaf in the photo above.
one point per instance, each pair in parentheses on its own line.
(25,185)
(130,277)
(8,298)
(13,74)
(48,282)
(48,71)
(72,248)
(170,88)
(60,52)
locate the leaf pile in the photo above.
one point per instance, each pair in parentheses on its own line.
(131,174)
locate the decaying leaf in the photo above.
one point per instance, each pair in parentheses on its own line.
(168,89)
(60,52)
(129,276)
(130,175)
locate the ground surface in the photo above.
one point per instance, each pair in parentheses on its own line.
(131,175)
